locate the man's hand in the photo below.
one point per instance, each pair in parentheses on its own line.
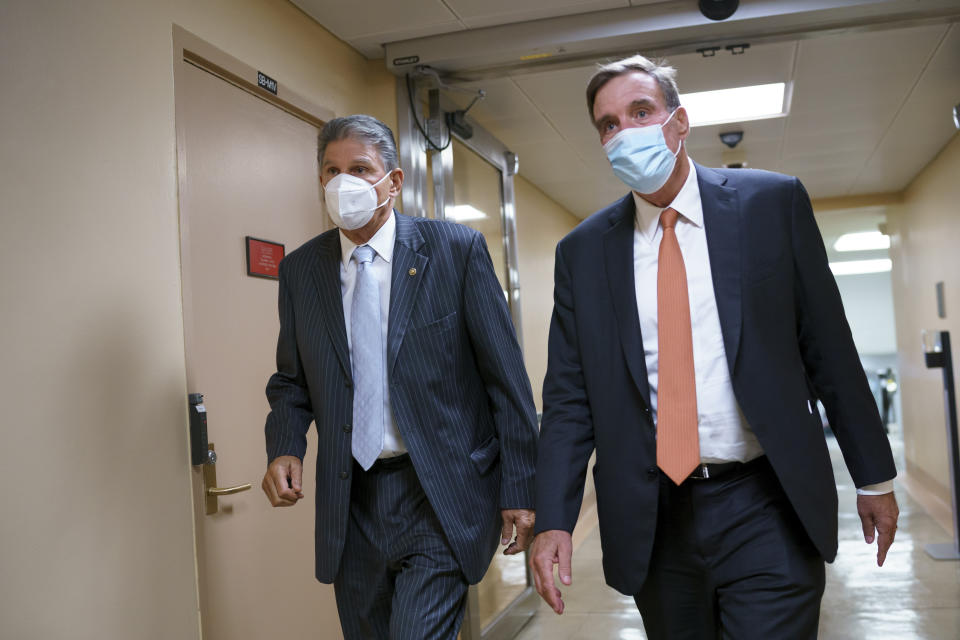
(879,513)
(523,519)
(550,548)
(283,481)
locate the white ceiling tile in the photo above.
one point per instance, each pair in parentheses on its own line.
(573,124)
(386,19)
(869,122)
(819,142)
(830,163)
(548,161)
(495,12)
(525,131)
(504,100)
(826,186)
(590,151)
(872,92)
(922,127)
(753,131)
(760,64)
(850,54)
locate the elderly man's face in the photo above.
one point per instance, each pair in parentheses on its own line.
(358,158)
(635,100)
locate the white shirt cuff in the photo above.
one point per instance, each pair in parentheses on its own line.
(876,489)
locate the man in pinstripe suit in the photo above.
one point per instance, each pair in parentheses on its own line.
(396,340)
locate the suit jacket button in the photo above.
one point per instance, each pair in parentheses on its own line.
(344,475)
(347,428)
(652,472)
(347,384)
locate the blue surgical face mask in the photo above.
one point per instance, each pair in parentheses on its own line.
(641,158)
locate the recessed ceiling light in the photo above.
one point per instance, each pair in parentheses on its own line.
(863,241)
(859,267)
(735,105)
(464,213)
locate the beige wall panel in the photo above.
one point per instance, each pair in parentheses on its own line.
(541,224)
(96,532)
(925,232)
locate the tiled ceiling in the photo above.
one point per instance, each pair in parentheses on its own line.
(368,26)
(869,108)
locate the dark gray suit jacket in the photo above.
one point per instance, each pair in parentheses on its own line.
(458,386)
(787,343)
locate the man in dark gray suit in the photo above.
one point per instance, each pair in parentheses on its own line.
(396,340)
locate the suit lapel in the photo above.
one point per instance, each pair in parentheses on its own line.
(618,254)
(405,283)
(326,277)
(722,221)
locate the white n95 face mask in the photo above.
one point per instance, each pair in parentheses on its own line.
(641,158)
(351,201)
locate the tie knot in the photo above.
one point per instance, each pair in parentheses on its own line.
(668,219)
(363,254)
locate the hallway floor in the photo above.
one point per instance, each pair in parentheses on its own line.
(910,597)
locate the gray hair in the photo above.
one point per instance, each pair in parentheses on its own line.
(361,127)
(665,75)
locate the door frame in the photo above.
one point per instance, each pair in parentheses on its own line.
(414,150)
(189,49)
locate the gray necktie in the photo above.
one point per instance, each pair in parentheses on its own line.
(367,355)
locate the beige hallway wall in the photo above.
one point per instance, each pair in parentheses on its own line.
(925,232)
(95,533)
(541,224)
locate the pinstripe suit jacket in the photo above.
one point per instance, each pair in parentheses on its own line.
(458,387)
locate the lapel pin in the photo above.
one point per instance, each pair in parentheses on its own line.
(412,272)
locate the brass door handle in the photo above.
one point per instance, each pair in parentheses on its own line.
(211,491)
(226,491)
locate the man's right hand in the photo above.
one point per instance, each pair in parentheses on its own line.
(550,548)
(283,481)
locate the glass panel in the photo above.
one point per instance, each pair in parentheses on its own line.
(428,186)
(478,203)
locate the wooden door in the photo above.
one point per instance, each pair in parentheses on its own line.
(247,168)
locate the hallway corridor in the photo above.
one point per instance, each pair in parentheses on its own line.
(910,598)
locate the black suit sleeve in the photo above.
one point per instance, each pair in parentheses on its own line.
(290,407)
(830,356)
(566,435)
(500,363)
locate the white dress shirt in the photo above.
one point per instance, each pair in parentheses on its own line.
(724,433)
(382,243)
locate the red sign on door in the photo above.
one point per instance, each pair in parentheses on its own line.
(263,258)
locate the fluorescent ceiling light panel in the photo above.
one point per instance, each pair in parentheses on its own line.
(464,213)
(859,267)
(865,241)
(735,105)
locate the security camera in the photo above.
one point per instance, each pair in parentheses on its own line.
(718,9)
(731,138)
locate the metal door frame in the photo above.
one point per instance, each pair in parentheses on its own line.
(414,150)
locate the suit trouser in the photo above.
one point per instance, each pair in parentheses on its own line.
(398,577)
(731,560)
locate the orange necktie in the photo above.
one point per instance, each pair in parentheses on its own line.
(678,443)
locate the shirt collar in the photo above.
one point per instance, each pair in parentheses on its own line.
(686,203)
(382,241)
